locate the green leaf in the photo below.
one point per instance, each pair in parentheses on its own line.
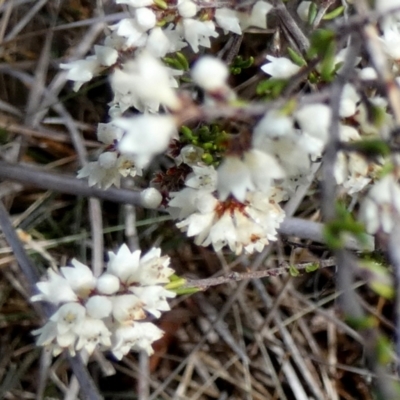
(182,60)
(384,350)
(378,278)
(372,147)
(320,41)
(293,271)
(366,322)
(161,4)
(271,87)
(189,290)
(312,13)
(296,57)
(334,13)
(312,267)
(175,284)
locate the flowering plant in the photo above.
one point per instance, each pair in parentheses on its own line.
(239,147)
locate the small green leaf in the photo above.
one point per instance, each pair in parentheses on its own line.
(312,267)
(366,322)
(175,284)
(296,58)
(320,41)
(173,62)
(186,132)
(207,158)
(384,350)
(312,13)
(378,278)
(293,271)
(189,290)
(334,13)
(271,87)
(182,60)
(372,147)
(161,4)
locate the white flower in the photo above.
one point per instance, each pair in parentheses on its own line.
(92,333)
(391,41)
(98,307)
(110,166)
(186,8)
(153,298)
(158,44)
(124,264)
(348,101)
(55,290)
(105,55)
(109,133)
(129,29)
(380,210)
(146,136)
(315,120)
(80,278)
(257,17)
(81,71)
(280,67)
(203,177)
(151,269)
(197,33)
(274,125)
(107,306)
(108,170)
(175,38)
(234,177)
(127,307)
(46,334)
(210,73)
(255,171)
(68,317)
(190,155)
(146,82)
(275,135)
(351,172)
(247,226)
(154,269)
(228,19)
(384,6)
(139,336)
(182,203)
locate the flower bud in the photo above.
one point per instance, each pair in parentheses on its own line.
(210,73)
(150,198)
(107,284)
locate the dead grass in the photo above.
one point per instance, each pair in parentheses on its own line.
(278,338)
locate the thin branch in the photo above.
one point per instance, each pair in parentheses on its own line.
(285,268)
(25,173)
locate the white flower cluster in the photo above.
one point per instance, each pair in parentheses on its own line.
(106,312)
(111,164)
(380,210)
(145,83)
(246,225)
